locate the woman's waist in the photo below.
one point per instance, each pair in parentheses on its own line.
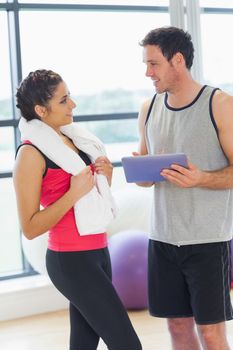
(64,239)
(64,236)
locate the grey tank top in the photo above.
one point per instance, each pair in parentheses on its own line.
(191,215)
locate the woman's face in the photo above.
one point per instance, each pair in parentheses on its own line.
(60,107)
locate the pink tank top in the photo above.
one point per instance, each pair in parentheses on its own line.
(64,236)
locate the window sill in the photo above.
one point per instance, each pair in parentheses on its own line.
(28,296)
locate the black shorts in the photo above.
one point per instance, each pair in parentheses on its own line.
(190,281)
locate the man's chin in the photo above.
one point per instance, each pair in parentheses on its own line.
(159,90)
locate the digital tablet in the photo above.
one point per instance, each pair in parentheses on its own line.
(148,168)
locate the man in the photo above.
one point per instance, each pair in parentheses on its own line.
(192,216)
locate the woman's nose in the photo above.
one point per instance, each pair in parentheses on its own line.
(72,104)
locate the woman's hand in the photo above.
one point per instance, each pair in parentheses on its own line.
(82,183)
(104,166)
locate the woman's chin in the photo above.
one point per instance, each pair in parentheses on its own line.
(69,121)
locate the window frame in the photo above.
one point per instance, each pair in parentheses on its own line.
(13,7)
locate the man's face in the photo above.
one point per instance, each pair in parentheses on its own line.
(159,69)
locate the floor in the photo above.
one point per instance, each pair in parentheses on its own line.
(51,331)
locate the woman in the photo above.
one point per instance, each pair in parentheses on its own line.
(77,263)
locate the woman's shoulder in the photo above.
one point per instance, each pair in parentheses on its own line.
(29,150)
(29,156)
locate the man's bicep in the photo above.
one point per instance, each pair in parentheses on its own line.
(224,120)
(226,140)
(142,148)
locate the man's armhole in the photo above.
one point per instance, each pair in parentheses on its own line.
(211,111)
(150,108)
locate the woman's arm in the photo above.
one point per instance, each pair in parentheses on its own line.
(104,166)
(27,177)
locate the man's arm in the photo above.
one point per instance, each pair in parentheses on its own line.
(142,148)
(221,178)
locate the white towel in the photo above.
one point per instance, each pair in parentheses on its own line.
(95,210)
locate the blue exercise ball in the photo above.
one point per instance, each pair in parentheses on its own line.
(128,252)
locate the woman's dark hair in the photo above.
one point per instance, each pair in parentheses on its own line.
(170,41)
(36,89)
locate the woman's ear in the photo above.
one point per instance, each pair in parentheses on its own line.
(40,111)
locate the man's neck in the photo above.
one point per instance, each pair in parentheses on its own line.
(184,93)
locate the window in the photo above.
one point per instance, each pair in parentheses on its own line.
(5,85)
(216,48)
(7,149)
(120,136)
(105,2)
(102,65)
(96,50)
(10,248)
(215,3)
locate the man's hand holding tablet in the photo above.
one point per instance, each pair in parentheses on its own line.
(148,168)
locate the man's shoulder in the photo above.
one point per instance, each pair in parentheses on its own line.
(222,98)
(146,106)
(222,106)
(223,94)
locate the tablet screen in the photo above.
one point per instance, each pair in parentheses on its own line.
(148,168)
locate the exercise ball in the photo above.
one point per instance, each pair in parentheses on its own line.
(35,250)
(133,210)
(128,252)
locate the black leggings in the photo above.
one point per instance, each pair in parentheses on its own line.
(84,278)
